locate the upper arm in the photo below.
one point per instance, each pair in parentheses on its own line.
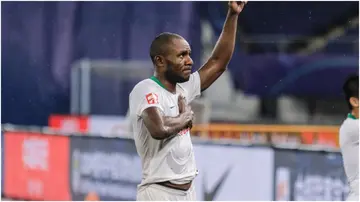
(153,120)
(211,71)
(143,97)
(145,103)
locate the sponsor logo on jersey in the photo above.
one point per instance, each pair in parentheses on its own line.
(152,98)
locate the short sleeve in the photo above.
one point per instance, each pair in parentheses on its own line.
(193,86)
(143,97)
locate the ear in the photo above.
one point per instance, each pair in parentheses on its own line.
(159,61)
(354,102)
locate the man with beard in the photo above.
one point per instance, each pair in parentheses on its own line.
(162,118)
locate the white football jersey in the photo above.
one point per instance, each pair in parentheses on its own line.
(170,159)
(349,144)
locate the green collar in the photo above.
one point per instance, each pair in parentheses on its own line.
(351,116)
(157,81)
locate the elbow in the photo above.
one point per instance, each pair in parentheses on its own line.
(223,68)
(160,134)
(214,58)
(157,136)
(224,55)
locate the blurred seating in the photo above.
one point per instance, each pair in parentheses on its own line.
(329,111)
(293,78)
(292,110)
(345,44)
(43,39)
(229,105)
(292,18)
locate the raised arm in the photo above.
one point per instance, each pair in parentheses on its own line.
(162,127)
(224,47)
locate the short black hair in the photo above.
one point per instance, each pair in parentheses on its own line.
(159,44)
(351,88)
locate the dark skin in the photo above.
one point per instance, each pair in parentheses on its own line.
(354,101)
(175,67)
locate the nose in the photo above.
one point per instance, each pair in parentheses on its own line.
(189,61)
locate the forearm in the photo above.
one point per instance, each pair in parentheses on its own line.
(173,125)
(167,127)
(160,126)
(225,45)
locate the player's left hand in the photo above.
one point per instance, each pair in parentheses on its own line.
(236,6)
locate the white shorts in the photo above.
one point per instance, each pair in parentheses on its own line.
(155,192)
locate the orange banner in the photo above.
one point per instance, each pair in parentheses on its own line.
(36,166)
(299,134)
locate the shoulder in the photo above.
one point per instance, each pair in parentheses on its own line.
(349,130)
(192,88)
(349,125)
(144,94)
(194,78)
(144,87)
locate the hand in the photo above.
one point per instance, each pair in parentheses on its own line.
(185,111)
(188,117)
(236,6)
(181,104)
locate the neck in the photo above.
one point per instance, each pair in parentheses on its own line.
(355,113)
(171,87)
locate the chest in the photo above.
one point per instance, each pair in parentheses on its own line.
(169,102)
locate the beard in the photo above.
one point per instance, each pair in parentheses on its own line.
(173,77)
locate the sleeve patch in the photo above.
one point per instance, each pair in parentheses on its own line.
(152,98)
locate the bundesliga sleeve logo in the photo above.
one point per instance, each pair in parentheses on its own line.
(152,98)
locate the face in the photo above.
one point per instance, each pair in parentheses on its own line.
(177,62)
(354,101)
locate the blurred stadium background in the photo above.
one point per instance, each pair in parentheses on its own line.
(266,130)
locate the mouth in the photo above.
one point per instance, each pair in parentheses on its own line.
(187,70)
